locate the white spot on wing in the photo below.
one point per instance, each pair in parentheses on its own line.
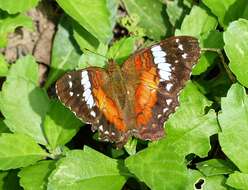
(71,93)
(164,67)
(168,101)
(176,61)
(159,60)
(87,93)
(158,54)
(168,86)
(185,55)
(93,113)
(90,101)
(70,84)
(165,110)
(159,115)
(164,75)
(106,132)
(113,133)
(180,46)
(156,48)
(101,128)
(177,40)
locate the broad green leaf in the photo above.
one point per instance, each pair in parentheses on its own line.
(10,23)
(4,66)
(60,125)
(228,10)
(238,180)
(13,6)
(18,150)
(3,127)
(122,49)
(65,55)
(197,23)
(87,169)
(151,16)
(199,181)
(84,39)
(233,120)
(236,48)
(97,17)
(22,102)
(215,167)
(212,39)
(9,180)
(35,177)
(187,131)
(175,12)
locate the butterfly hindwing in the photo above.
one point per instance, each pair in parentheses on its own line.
(160,72)
(86,93)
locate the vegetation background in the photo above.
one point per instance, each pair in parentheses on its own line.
(44,146)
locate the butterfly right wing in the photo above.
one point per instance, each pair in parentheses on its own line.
(84,93)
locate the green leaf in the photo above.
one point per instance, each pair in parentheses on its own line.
(94,15)
(199,181)
(87,169)
(188,131)
(4,66)
(238,180)
(197,23)
(175,12)
(84,39)
(3,127)
(35,177)
(22,102)
(60,125)
(215,167)
(150,15)
(122,49)
(65,55)
(228,10)
(233,120)
(9,180)
(10,23)
(13,6)
(236,48)
(18,150)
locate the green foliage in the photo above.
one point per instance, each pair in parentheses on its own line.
(42,141)
(95,172)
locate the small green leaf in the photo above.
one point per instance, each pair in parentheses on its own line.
(175,12)
(22,102)
(60,125)
(13,6)
(94,15)
(236,48)
(10,23)
(215,167)
(150,15)
(233,120)
(4,66)
(87,169)
(228,10)
(18,150)
(9,180)
(65,55)
(187,131)
(238,180)
(197,23)
(35,177)
(122,49)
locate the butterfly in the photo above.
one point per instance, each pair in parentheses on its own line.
(134,99)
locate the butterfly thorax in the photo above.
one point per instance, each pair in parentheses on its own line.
(119,92)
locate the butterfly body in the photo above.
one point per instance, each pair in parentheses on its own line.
(134,99)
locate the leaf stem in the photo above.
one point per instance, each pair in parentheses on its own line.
(228,71)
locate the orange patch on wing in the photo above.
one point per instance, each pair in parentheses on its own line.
(109,109)
(138,62)
(146,96)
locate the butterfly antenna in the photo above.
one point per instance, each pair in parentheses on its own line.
(85,49)
(227,69)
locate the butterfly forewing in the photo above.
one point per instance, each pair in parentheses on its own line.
(160,71)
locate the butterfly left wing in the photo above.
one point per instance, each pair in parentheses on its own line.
(84,92)
(156,75)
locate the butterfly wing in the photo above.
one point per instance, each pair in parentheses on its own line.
(84,93)
(156,76)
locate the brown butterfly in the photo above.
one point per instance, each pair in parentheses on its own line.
(135,99)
